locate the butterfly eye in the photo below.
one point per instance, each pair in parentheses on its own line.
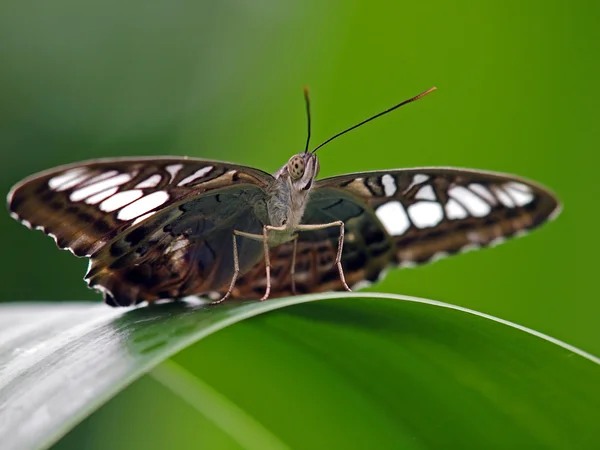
(296,167)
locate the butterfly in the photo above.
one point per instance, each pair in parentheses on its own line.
(169,227)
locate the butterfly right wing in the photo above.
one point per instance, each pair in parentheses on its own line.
(181,251)
(151,226)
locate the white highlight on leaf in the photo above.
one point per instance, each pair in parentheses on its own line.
(475,237)
(426,214)
(120,199)
(143,205)
(483,192)
(69,175)
(520,193)
(197,174)
(426,193)
(389,185)
(393,217)
(149,182)
(173,169)
(504,198)
(455,211)
(92,189)
(101,196)
(144,217)
(419,178)
(474,204)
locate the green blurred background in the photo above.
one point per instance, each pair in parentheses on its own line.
(518,92)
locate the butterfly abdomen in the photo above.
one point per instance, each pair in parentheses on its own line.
(286,205)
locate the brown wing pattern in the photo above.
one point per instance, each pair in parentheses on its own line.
(402,218)
(151,226)
(86,205)
(181,251)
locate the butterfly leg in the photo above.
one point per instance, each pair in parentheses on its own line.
(264,237)
(236,272)
(293,266)
(338,258)
(266,230)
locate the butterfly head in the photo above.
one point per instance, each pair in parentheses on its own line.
(301,170)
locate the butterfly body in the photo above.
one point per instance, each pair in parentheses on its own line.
(169,227)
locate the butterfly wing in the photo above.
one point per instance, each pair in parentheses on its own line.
(402,218)
(152,227)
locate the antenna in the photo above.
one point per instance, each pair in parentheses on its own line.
(410,100)
(307,101)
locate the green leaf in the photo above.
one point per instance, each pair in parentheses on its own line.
(389,370)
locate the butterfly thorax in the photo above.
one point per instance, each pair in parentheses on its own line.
(289,194)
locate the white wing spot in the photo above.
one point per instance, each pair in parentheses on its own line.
(437,256)
(143,205)
(92,189)
(420,178)
(197,174)
(518,186)
(120,199)
(520,233)
(94,199)
(455,211)
(173,169)
(520,193)
(417,179)
(383,273)
(476,206)
(393,217)
(426,193)
(72,182)
(69,175)
(469,248)
(483,192)
(102,176)
(178,244)
(497,241)
(504,198)
(474,237)
(407,264)
(149,182)
(426,214)
(362,284)
(389,185)
(144,217)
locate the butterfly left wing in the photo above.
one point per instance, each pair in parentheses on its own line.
(402,218)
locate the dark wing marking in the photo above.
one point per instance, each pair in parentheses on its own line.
(184,250)
(86,205)
(144,218)
(402,218)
